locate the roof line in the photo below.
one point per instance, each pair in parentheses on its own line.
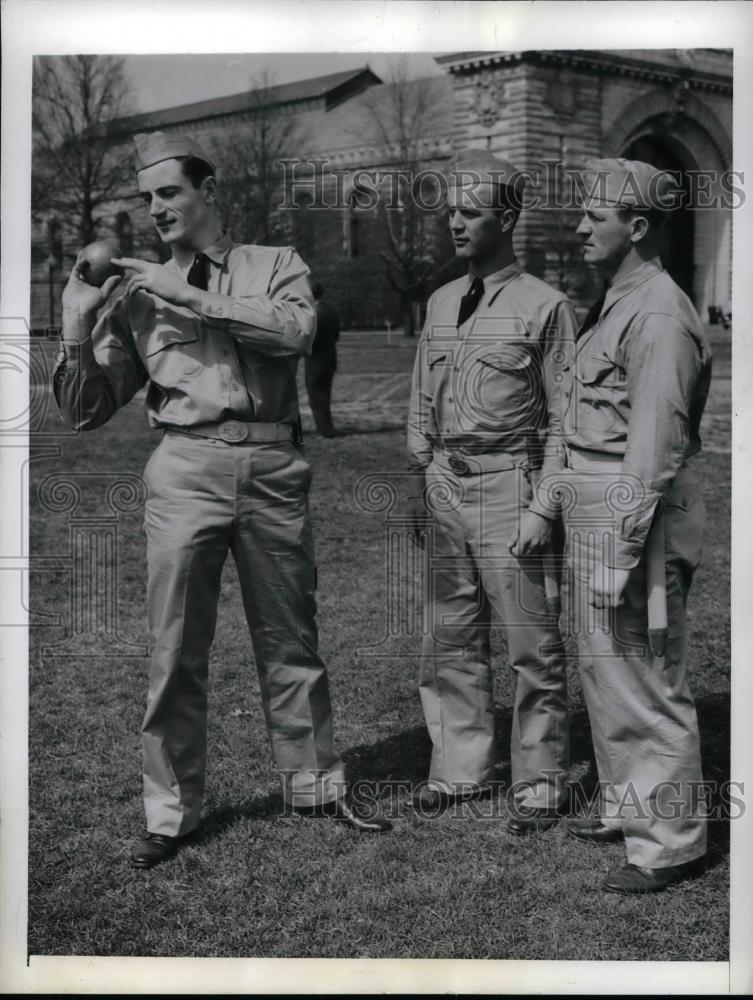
(283,93)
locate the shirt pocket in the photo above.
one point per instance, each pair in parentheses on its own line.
(600,370)
(502,387)
(172,355)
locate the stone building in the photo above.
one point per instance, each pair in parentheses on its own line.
(547,111)
(672,108)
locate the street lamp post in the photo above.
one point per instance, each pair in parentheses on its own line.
(55,247)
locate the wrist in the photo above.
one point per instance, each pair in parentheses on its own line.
(77,326)
(192,298)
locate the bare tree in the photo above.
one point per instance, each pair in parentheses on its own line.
(404,114)
(76,170)
(249,166)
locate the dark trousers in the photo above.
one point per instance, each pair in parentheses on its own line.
(319,377)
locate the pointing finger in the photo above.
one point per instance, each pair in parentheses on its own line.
(133,262)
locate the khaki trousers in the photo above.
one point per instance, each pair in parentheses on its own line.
(643,719)
(206,498)
(471,574)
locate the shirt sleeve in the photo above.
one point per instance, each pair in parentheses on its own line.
(663,363)
(95,378)
(559,350)
(420,448)
(282,322)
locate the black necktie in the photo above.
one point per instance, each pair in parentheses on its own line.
(470,300)
(591,316)
(198,273)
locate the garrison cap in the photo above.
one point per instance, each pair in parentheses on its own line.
(474,167)
(620,183)
(153,147)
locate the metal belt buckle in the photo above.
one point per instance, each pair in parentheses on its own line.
(233,431)
(458,465)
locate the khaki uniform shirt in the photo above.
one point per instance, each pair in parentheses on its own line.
(237,360)
(641,378)
(493,384)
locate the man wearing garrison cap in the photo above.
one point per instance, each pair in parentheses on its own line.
(484,425)
(635,518)
(215,334)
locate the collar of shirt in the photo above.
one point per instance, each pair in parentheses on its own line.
(630,281)
(496,281)
(216,252)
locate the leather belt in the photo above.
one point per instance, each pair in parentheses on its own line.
(591,461)
(476,465)
(237,431)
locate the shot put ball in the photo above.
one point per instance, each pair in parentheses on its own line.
(97,262)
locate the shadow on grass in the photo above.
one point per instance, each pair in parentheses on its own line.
(404,759)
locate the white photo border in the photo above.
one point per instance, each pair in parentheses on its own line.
(139,26)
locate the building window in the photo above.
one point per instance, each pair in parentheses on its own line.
(354,247)
(353,222)
(124,233)
(303,218)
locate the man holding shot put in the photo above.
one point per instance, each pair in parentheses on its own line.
(216,334)
(635,516)
(484,419)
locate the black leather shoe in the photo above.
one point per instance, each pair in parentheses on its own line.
(363,822)
(153,849)
(593,831)
(634,879)
(433,801)
(531,820)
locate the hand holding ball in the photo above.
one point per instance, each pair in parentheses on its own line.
(95,262)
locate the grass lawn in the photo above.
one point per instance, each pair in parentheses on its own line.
(257,882)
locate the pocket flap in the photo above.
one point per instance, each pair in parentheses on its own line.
(592,371)
(158,340)
(505,361)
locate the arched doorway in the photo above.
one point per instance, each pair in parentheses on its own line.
(676,245)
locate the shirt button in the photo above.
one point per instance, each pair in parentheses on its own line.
(60,357)
(225,353)
(234,386)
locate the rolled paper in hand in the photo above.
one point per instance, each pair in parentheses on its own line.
(656,586)
(551,583)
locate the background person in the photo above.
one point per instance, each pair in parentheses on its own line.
(321,364)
